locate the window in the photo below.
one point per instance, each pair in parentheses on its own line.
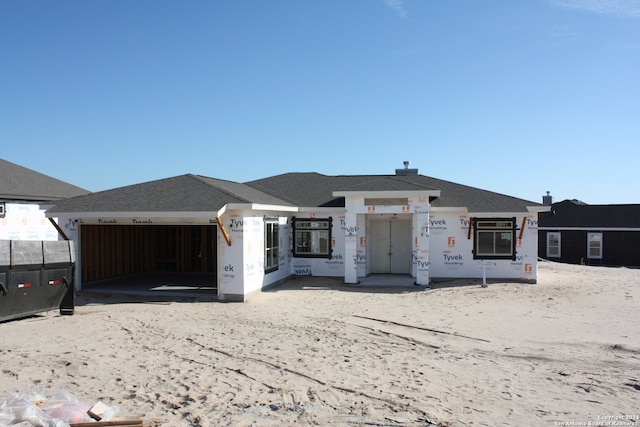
(2,205)
(594,245)
(494,238)
(312,237)
(553,245)
(271,240)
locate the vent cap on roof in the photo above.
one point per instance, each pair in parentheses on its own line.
(548,199)
(406,170)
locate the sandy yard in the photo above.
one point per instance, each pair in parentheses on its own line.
(314,352)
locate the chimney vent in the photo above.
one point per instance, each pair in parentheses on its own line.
(548,199)
(406,170)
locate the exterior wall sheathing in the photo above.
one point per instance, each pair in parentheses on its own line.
(26,221)
(452,248)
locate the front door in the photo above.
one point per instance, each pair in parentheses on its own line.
(390,247)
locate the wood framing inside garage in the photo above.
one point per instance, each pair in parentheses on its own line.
(108,251)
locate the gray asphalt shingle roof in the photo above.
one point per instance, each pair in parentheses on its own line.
(20,183)
(194,193)
(185,193)
(315,190)
(475,199)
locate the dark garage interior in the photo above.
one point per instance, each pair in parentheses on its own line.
(148,253)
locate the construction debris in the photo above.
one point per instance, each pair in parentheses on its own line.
(61,409)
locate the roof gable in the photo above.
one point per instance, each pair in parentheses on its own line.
(185,193)
(20,183)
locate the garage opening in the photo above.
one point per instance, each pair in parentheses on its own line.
(153,255)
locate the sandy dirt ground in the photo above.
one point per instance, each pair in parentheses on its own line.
(565,351)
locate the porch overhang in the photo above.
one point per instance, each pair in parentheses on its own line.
(538,209)
(255,207)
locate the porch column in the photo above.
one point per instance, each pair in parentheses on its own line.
(421,242)
(350,243)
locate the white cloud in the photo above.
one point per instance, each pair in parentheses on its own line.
(609,7)
(398,6)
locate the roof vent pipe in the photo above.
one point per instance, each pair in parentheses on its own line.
(548,199)
(406,170)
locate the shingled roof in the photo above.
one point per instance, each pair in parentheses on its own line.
(195,193)
(316,190)
(184,193)
(20,183)
(573,214)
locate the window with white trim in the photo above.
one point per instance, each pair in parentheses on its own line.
(2,208)
(311,237)
(553,245)
(594,245)
(494,238)
(271,245)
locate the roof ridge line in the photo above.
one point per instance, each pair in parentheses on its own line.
(201,179)
(395,178)
(204,180)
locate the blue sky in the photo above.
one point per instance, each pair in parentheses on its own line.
(518,97)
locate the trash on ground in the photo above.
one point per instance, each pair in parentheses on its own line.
(61,409)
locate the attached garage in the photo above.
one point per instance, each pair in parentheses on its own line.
(162,235)
(108,251)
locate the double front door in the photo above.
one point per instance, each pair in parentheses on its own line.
(390,247)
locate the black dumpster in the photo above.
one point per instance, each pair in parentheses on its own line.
(36,276)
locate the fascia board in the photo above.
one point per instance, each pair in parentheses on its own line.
(255,207)
(538,208)
(260,207)
(594,229)
(498,214)
(322,209)
(20,198)
(407,193)
(464,209)
(445,209)
(164,214)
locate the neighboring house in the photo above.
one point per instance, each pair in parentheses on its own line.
(24,196)
(255,234)
(578,233)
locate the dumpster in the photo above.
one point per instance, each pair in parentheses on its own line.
(36,276)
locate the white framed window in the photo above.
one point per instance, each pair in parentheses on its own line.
(271,245)
(494,238)
(2,208)
(312,237)
(594,245)
(553,245)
